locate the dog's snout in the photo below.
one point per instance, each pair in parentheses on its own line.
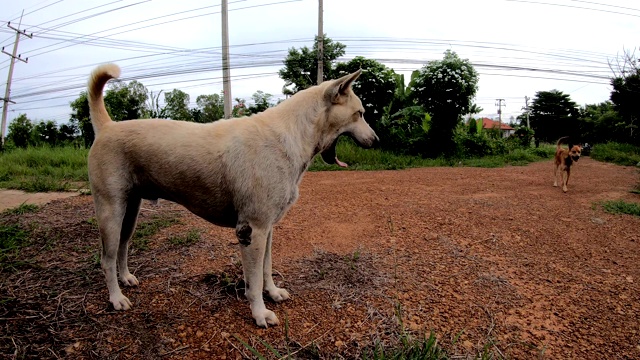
(376,141)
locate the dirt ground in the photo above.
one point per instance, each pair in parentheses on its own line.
(12,198)
(493,260)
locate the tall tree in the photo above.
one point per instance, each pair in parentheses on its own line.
(624,96)
(301,66)
(177,105)
(600,123)
(240,108)
(445,88)
(553,115)
(81,118)
(126,101)
(212,107)
(45,132)
(261,102)
(375,87)
(20,131)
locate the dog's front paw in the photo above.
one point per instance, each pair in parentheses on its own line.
(120,302)
(278,294)
(555,184)
(265,318)
(564,188)
(129,280)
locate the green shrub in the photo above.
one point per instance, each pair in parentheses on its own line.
(621,154)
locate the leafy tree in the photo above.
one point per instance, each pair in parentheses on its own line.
(154,111)
(301,66)
(67,132)
(445,88)
(45,132)
(126,101)
(376,86)
(553,115)
(212,107)
(475,109)
(600,123)
(405,130)
(261,102)
(624,96)
(240,108)
(81,118)
(523,136)
(20,131)
(473,126)
(177,105)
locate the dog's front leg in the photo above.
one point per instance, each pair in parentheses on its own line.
(275,293)
(253,242)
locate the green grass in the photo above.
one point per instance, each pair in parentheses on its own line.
(376,159)
(21,209)
(145,230)
(42,169)
(12,238)
(621,207)
(621,154)
(192,237)
(426,348)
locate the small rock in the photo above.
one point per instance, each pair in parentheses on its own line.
(72,348)
(597,221)
(339,343)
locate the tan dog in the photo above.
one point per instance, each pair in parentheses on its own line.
(564,158)
(241,173)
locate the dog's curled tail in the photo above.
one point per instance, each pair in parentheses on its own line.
(97,80)
(563,140)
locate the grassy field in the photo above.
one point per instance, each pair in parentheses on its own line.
(621,154)
(43,169)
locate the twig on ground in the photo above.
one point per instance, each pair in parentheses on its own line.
(175,350)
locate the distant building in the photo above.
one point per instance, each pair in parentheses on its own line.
(491,124)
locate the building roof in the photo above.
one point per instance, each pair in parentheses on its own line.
(489,124)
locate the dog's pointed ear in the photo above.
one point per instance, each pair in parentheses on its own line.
(340,87)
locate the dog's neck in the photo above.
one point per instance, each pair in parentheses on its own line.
(297,127)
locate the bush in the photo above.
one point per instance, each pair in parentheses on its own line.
(621,154)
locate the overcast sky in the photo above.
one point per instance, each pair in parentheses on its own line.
(518,47)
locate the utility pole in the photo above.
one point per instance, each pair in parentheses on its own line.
(320,43)
(499,103)
(6,100)
(526,109)
(226,73)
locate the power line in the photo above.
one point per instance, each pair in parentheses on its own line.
(575,7)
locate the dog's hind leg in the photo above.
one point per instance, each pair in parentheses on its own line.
(555,175)
(128,227)
(110,212)
(253,242)
(275,293)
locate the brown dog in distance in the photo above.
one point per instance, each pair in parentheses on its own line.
(564,159)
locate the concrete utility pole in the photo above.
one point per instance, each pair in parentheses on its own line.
(320,43)
(499,103)
(6,100)
(526,109)
(226,73)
